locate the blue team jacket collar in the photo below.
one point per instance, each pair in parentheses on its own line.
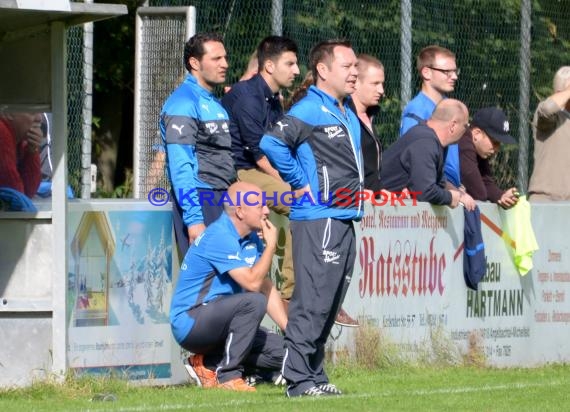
(194,82)
(327,98)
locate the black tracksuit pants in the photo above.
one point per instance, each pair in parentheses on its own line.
(324,251)
(227,332)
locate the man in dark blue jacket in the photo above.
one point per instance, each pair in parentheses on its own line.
(416,160)
(316,149)
(254,106)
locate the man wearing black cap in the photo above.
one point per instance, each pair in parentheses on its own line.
(488,130)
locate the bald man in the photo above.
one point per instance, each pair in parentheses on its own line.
(417,159)
(223,293)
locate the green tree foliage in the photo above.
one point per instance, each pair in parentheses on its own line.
(485,35)
(113,81)
(114,50)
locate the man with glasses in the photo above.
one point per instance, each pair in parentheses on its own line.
(438,70)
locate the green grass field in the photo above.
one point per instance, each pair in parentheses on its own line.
(392,389)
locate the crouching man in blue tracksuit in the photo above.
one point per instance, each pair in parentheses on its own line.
(223,293)
(316,149)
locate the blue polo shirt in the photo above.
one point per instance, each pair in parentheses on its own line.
(422,106)
(204,272)
(253,109)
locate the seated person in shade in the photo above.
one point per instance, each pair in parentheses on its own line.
(483,139)
(223,293)
(20,139)
(254,106)
(416,160)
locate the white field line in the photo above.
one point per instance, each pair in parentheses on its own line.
(244,402)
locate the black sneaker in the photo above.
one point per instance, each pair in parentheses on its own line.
(329,389)
(312,391)
(268,377)
(279,380)
(253,380)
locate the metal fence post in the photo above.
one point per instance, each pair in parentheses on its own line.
(87,112)
(406,53)
(277,17)
(524,96)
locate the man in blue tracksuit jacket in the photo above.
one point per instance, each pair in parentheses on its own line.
(316,149)
(195,129)
(223,293)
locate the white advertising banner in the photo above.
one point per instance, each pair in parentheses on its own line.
(408,280)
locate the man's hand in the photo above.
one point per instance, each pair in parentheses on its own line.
(34,138)
(301,192)
(455,196)
(269,233)
(461,198)
(509,198)
(468,201)
(264,165)
(194,231)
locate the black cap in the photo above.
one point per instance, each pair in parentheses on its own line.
(493,121)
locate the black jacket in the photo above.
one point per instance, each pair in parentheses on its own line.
(371,151)
(415,161)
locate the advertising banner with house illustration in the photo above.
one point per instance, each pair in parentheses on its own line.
(119,290)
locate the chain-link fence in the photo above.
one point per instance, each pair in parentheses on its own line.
(75,100)
(508,50)
(160,33)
